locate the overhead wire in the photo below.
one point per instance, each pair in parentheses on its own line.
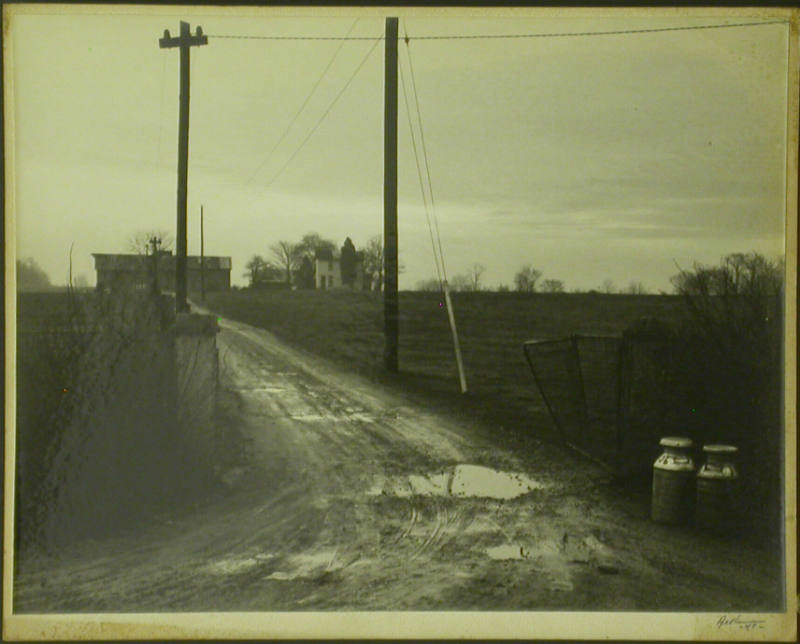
(377,39)
(555,34)
(442,282)
(161,107)
(419,173)
(425,153)
(324,115)
(303,106)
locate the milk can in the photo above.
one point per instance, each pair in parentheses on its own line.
(673,476)
(716,489)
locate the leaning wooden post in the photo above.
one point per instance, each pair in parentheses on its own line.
(462,378)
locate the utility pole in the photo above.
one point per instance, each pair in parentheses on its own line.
(390,298)
(155,243)
(202,260)
(184,42)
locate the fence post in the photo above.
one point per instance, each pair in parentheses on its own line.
(623,396)
(576,357)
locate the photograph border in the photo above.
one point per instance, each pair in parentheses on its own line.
(450,624)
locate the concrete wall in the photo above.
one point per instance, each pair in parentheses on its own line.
(197,372)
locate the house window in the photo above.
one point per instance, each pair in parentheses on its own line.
(330,266)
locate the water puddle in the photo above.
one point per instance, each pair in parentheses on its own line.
(361,417)
(473,481)
(547,558)
(236,565)
(272,389)
(308,418)
(557,558)
(507,551)
(308,565)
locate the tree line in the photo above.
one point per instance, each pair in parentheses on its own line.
(737,273)
(526,280)
(291,264)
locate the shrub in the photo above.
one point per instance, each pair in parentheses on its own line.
(729,359)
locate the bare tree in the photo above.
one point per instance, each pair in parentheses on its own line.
(608,286)
(287,256)
(738,274)
(460,283)
(256,269)
(526,278)
(635,288)
(373,263)
(307,249)
(81,281)
(143,242)
(552,286)
(30,276)
(474,275)
(430,285)
(312,243)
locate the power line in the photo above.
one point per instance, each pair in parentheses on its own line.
(425,153)
(419,174)
(325,113)
(616,32)
(565,34)
(302,107)
(161,107)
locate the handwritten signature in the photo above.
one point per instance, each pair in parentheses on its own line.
(742,624)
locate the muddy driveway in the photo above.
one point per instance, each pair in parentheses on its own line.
(354,497)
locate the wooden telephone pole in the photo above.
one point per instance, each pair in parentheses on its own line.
(184,42)
(390,298)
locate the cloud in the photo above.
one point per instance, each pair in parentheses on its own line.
(672,142)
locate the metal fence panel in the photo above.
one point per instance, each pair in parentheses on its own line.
(603,394)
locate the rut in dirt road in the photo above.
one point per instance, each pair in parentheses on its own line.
(355,497)
(381,473)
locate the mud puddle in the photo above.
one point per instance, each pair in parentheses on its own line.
(473,481)
(309,565)
(507,551)
(237,565)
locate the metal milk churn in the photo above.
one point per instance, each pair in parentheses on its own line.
(716,488)
(673,476)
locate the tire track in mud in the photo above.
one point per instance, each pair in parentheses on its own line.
(341,434)
(347,428)
(366,438)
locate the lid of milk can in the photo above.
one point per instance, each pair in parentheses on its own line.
(723,450)
(676,441)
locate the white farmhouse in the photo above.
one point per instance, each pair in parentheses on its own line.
(328,271)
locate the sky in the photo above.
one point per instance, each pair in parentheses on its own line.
(591,158)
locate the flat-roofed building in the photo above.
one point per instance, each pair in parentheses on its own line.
(128,271)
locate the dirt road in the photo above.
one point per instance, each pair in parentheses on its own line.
(357,498)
